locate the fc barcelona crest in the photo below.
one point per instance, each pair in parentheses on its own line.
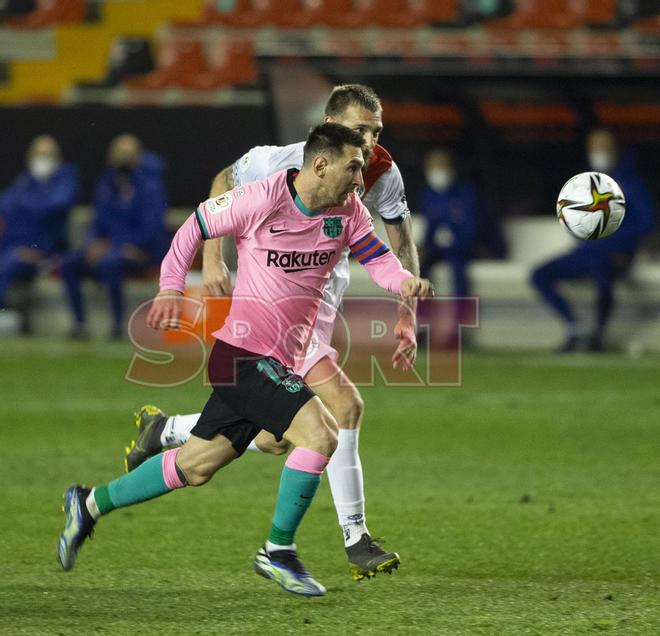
(332,226)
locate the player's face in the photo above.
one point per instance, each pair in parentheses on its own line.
(368,124)
(343,175)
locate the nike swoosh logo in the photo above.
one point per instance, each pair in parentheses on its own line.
(274,231)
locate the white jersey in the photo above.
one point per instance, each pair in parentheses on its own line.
(384,195)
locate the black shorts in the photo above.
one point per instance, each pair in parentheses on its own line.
(250,392)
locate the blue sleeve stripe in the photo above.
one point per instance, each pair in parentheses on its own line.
(379,252)
(202,225)
(367,236)
(367,247)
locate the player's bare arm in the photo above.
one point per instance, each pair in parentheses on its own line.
(215,275)
(403,246)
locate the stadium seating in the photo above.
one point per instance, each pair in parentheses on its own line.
(183,63)
(76,51)
(387,13)
(49,13)
(229,64)
(650,24)
(330,13)
(129,56)
(601,13)
(180,61)
(537,14)
(559,14)
(245,14)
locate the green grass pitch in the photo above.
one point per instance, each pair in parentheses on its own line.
(525,502)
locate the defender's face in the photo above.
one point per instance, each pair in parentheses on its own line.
(368,124)
(343,175)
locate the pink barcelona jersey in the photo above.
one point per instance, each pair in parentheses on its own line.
(286,254)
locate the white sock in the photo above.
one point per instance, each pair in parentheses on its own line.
(253,447)
(177,429)
(273,547)
(347,486)
(90,502)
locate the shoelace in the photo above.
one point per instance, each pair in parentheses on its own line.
(373,545)
(289,559)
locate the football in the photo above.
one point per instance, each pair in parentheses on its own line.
(591,206)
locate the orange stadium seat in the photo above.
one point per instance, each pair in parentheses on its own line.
(179,63)
(602,12)
(309,13)
(413,13)
(537,14)
(298,14)
(246,13)
(256,13)
(50,12)
(346,13)
(649,24)
(230,65)
(331,13)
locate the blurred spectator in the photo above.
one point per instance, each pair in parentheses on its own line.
(603,260)
(450,206)
(33,215)
(126,234)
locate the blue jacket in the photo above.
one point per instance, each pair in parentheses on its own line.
(138,219)
(640,214)
(456,209)
(35,212)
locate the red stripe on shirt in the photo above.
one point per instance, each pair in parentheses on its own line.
(363,242)
(370,251)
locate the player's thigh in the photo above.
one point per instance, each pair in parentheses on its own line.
(200,459)
(337,392)
(313,427)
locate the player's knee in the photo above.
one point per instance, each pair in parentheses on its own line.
(196,470)
(325,440)
(280,448)
(273,447)
(348,408)
(353,410)
(198,475)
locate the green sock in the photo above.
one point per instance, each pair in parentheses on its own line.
(144,483)
(297,489)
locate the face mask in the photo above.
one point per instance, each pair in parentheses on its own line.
(41,168)
(600,160)
(439,179)
(124,169)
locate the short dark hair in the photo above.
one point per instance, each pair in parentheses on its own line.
(346,95)
(332,138)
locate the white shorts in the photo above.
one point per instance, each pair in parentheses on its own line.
(319,347)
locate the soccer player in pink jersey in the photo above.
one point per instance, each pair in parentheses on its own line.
(315,214)
(357,107)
